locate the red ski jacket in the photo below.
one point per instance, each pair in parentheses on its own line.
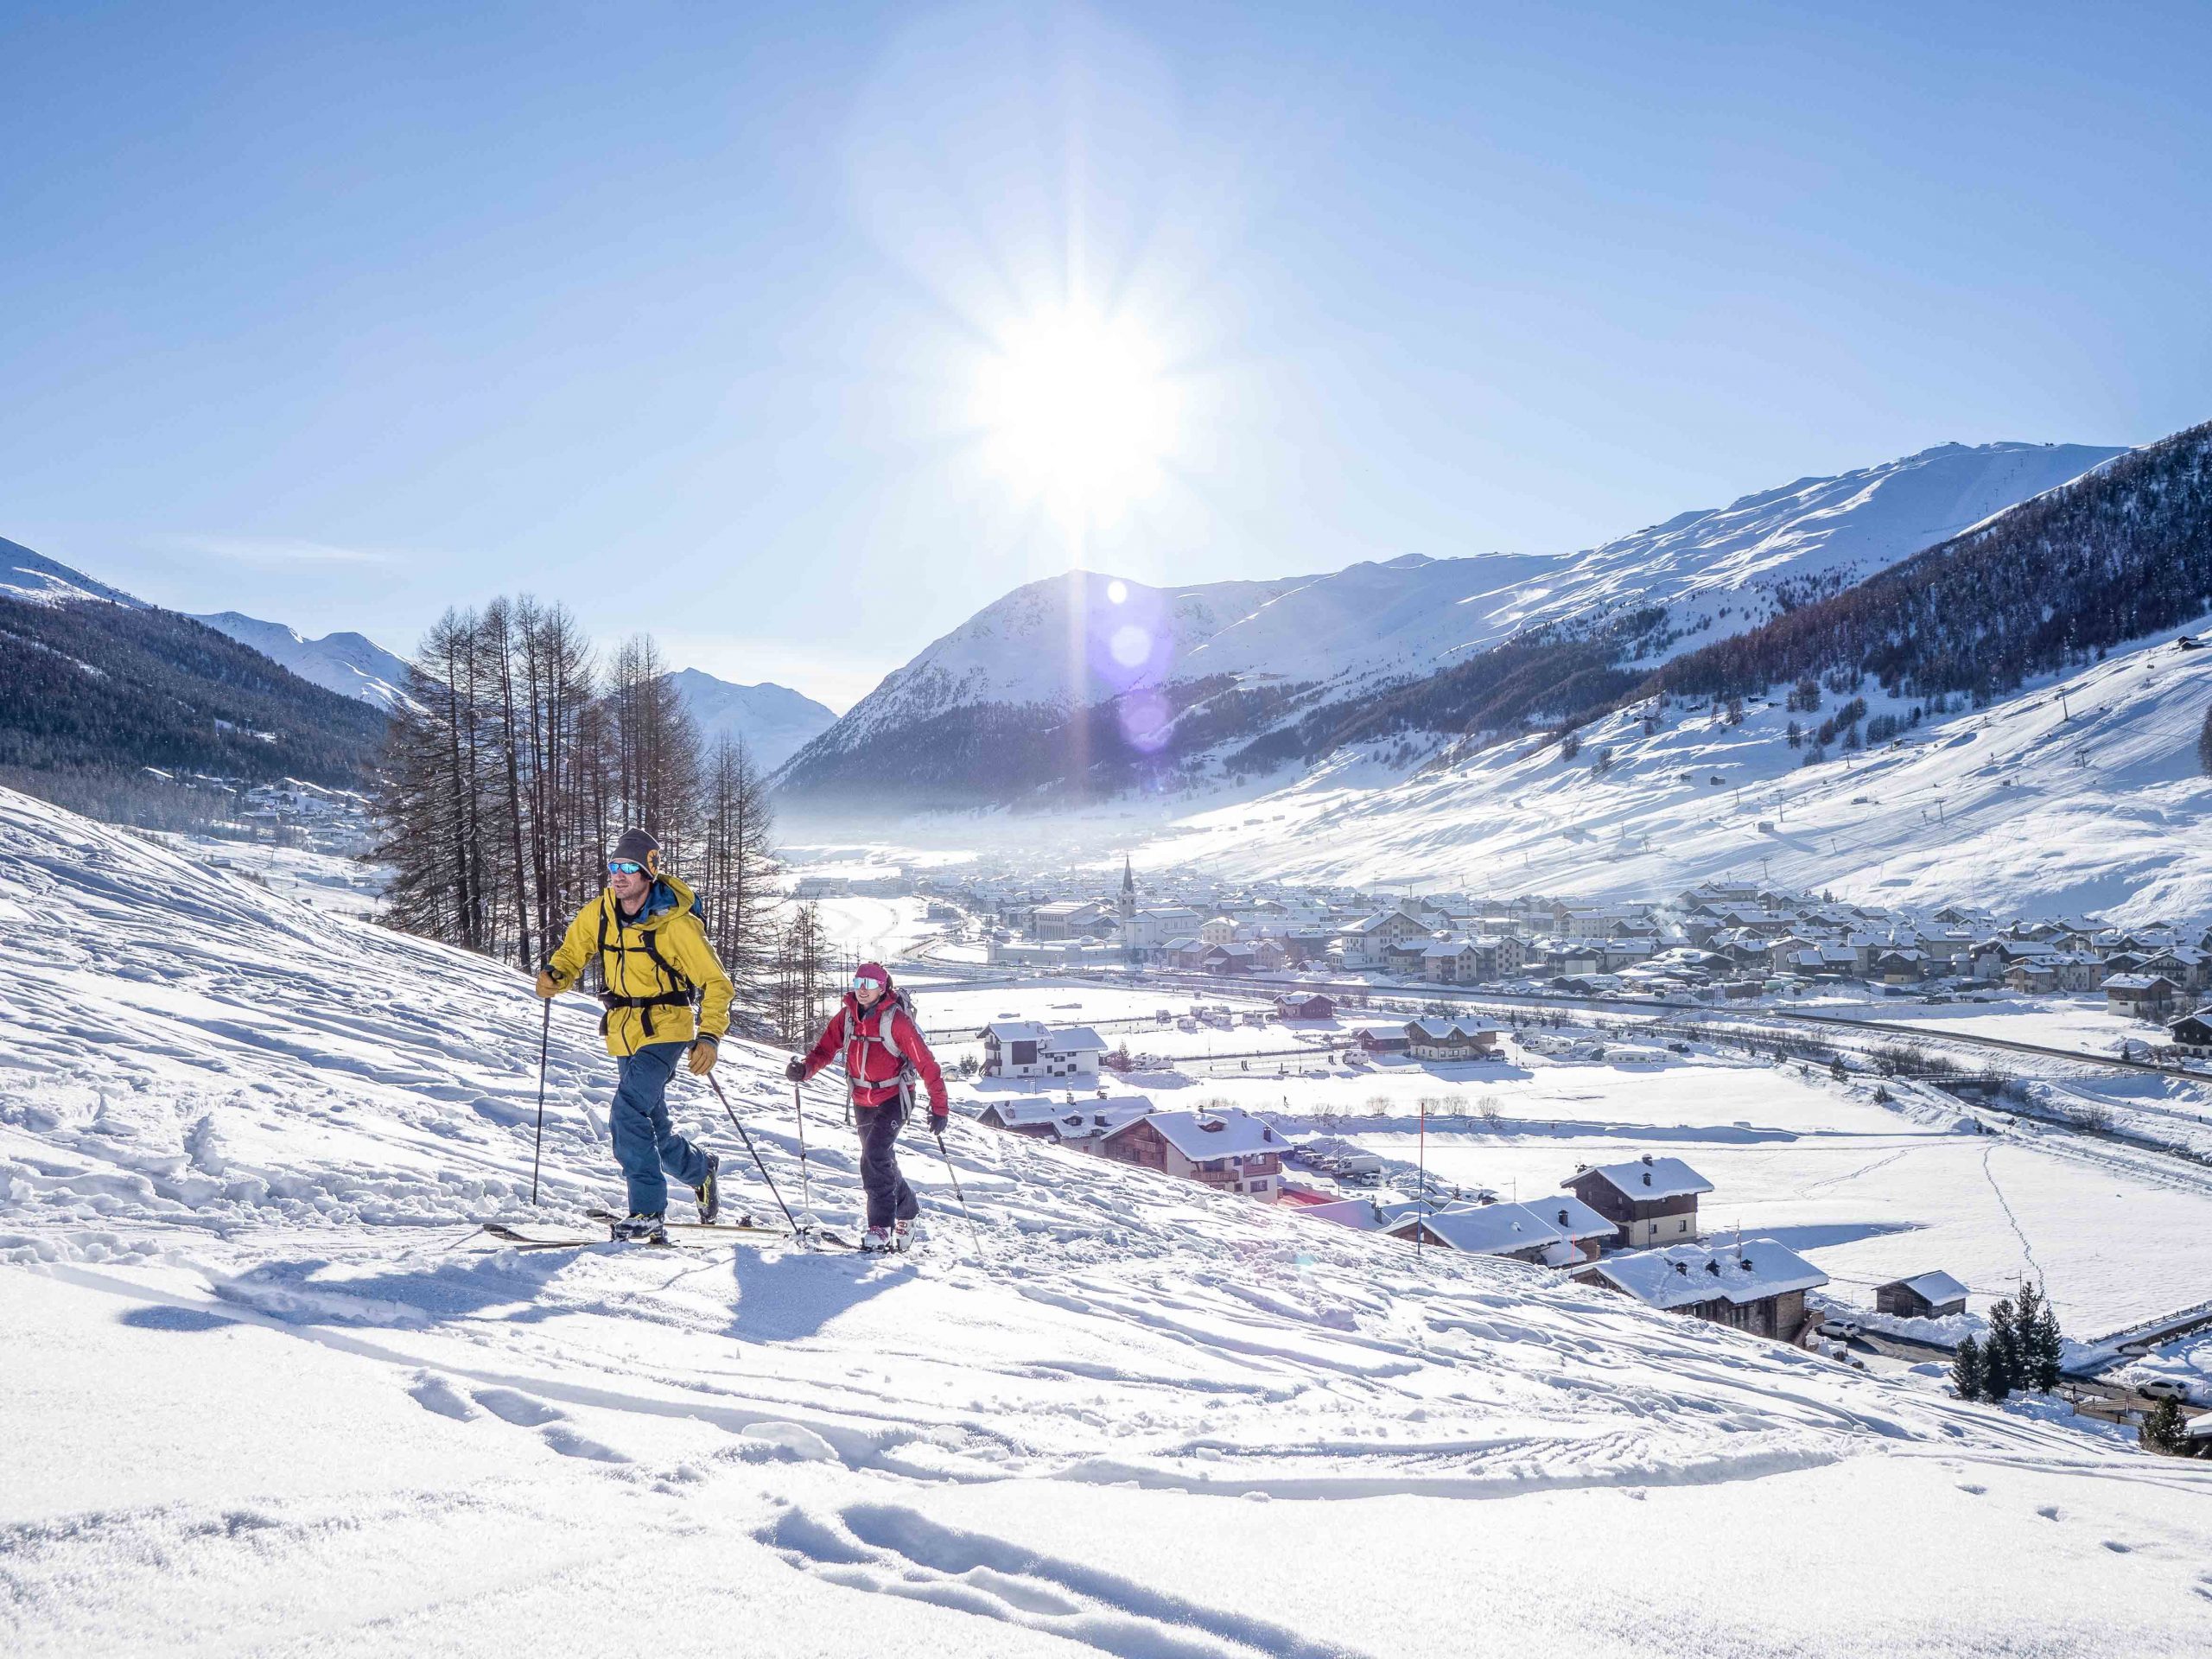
(872,1053)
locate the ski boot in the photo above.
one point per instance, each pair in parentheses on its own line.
(902,1234)
(641,1228)
(710,1192)
(877,1241)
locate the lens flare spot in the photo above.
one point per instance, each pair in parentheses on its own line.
(1130,645)
(1147,719)
(1116,591)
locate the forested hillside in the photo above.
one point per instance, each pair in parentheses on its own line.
(2054,583)
(91,693)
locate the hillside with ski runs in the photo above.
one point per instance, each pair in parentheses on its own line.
(2016,715)
(270,1389)
(1085,686)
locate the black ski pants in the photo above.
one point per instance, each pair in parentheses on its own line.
(888,1195)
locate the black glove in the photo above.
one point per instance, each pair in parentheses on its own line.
(797,1069)
(938,1120)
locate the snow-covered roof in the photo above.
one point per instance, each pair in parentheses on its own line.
(1936,1288)
(1201,1135)
(1652,1178)
(1501,1229)
(1075,1121)
(1073,1040)
(1681,1275)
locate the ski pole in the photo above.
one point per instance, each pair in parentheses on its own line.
(544,1042)
(715,1083)
(806,1185)
(958,1193)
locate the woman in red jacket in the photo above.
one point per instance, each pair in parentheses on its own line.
(874,1034)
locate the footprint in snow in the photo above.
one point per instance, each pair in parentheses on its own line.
(432,1393)
(518,1408)
(1969,1487)
(2117,1548)
(570,1444)
(2049,1511)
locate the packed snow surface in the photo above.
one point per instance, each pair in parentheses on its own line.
(269,1390)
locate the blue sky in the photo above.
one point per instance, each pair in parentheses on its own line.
(677,313)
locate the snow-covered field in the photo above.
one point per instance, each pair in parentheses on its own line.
(1867,1192)
(268,1391)
(2078,1021)
(327,882)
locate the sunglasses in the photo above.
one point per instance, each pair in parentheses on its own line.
(864,983)
(625,867)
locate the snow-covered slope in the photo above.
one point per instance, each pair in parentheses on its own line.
(2040,803)
(38,579)
(351,665)
(774,720)
(1085,640)
(268,1391)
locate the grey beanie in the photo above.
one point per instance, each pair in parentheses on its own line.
(640,848)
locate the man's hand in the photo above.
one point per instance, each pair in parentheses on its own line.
(546,987)
(938,1120)
(704,1051)
(797,1069)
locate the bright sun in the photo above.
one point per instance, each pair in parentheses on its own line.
(1076,411)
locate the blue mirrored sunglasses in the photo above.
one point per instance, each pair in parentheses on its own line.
(625,867)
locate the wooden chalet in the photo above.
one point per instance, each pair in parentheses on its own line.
(1652,1201)
(1928,1296)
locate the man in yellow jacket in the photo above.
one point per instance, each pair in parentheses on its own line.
(649,937)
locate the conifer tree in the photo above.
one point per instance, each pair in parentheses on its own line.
(2040,1344)
(2001,1355)
(2164,1430)
(1966,1369)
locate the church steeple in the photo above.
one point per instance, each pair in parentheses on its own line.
(1128,889)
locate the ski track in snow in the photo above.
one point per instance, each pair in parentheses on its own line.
(244,1146)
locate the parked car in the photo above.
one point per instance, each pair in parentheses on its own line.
(1845,1330)
(2163,1388)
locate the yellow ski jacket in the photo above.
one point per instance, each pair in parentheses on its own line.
(651,966)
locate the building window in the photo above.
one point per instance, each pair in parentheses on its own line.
(1682,1226)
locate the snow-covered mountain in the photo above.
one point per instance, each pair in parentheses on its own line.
(775,721)
(270,1388)
(351,665)
(2041,804)
(1125,678)
(36,580)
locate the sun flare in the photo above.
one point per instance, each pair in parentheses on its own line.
(1076,410)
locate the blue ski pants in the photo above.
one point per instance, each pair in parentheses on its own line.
(645,1142)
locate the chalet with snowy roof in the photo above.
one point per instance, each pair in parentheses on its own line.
(2184,964)
(1562,1232)
(2142,996)
(1365,942)
(1651,1201)
(1928,1296)
(1305,1005)
(1753,1284)
(1897,967)
(1229,1150)
(1381,1040)
(1070,1122)
(2192,1033)
(1451,1039)
(1024,1048)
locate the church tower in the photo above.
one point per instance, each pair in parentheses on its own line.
(1129,905)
